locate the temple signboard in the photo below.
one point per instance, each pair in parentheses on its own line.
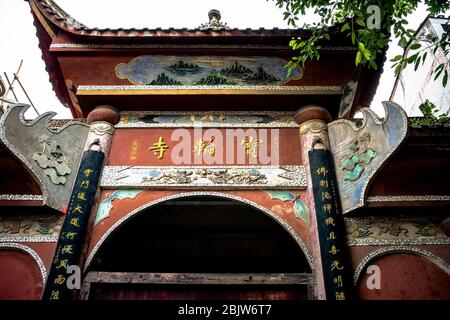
(223,156)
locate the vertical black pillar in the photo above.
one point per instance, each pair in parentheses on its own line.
(330,225)
(73,230)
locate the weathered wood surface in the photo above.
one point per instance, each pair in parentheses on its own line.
(201,278)
(85,291)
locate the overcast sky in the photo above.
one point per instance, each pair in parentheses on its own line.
(18,35)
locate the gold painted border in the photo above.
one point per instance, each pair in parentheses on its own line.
(57,46)
(232,90)
(42,20)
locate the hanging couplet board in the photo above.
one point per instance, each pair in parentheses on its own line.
(330,227)
(71,238)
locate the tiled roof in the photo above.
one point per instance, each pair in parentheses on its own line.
(59,14)
(62,19)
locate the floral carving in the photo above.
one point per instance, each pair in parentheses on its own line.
(176,177)
(56,166)
(389,230)
(232,176)
(359,156)
(361,230)
(393,228)
(29,227)
(427,229)
(235,176)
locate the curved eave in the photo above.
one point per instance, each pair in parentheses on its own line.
(63,33)
(46,33)
(60,20)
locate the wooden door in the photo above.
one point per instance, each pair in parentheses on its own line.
(179,286)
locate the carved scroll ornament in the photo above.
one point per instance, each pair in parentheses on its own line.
(52,155)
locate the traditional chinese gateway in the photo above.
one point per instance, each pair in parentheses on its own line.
(196,168)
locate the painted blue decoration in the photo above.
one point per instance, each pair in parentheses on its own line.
(301,210)
(281,195)
(360,151)
(299,207)
(162,70)
(107,204)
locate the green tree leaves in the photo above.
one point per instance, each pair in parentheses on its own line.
(356,19)
(430,116)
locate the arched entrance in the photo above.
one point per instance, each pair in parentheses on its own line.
(199,248)
(22,273)
(429,273)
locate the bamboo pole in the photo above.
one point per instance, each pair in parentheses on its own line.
(12,83)
(10,87)
(26,94)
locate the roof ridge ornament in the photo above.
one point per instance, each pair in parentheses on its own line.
(60,15)
(214,22)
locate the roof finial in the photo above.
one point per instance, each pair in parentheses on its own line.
(214,22)
(214,14)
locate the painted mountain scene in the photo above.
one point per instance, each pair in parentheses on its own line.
(205,70)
